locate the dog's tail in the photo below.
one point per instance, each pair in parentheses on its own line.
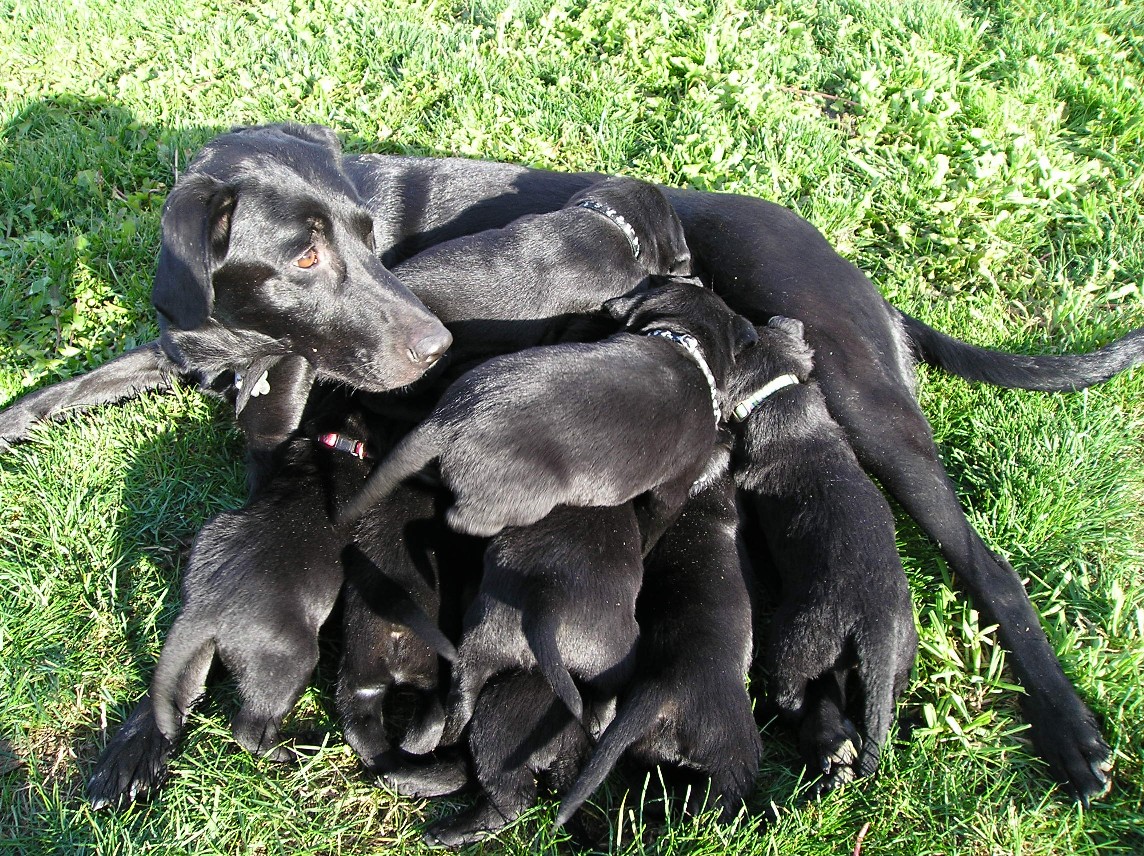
(541,636)
(1050,373)
(180,676)
(406,612)
(415,450)
(634,719)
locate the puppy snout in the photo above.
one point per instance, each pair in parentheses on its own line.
(430,347)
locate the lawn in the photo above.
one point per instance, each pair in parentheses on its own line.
(982,162)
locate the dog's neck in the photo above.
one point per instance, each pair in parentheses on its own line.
(747,406)
(689,344)
(618,219)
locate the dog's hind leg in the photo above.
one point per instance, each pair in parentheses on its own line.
(271,678)
(893,441)
(133,764)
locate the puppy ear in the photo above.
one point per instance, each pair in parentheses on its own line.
(745,333)
(196,234)
(791,326)
(621,308)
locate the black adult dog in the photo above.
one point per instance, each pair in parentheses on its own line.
(581,423)
(844,628)
(761,258)
(687,706)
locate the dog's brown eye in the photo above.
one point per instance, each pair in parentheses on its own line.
(308,259)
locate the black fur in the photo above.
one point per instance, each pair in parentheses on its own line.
(558,596)
(575,424)
(260,583)
(687,704)
(844,628)
(763,260)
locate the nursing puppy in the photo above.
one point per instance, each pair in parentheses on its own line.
(842,641)
(260,583)
(687,705)
(558,596)
(578,424)
(502,290)
(521,738)
(404,562)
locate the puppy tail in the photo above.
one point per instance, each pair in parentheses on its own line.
(426,629)
(180,676)
(414,451)
(634,719)
(541,638)
(1051,373)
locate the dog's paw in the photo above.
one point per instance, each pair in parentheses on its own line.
(261,735)
(468,827)
(1075,751)
(436,776)
(831,746)
(133,765)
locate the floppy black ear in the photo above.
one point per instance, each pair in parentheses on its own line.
(621,308)
(196,233)
(745,333)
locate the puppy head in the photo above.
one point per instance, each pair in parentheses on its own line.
(265,238)
(683,307)
(663,247)
(781,350)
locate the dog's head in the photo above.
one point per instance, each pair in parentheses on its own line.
(681,306)
(654,224)
(267,248)
(781,350)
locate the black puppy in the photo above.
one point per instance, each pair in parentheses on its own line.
(578,424)
(844,625)
(502,290)
(257,602)
(559,596)
(260,583)
(687,706)
(521,737)
(402,564)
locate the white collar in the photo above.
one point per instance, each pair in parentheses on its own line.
(689,344)
(747,406)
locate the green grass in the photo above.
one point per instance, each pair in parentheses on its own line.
(983,162)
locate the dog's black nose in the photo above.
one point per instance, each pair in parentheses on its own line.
(431,347)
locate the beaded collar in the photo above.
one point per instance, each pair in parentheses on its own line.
(617,218)
(688,343)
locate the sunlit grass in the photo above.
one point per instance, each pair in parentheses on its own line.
(983,162)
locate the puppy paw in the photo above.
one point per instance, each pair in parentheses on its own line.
(468,827)
(830,745)
(261,735)
(435,776)
(133,765)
